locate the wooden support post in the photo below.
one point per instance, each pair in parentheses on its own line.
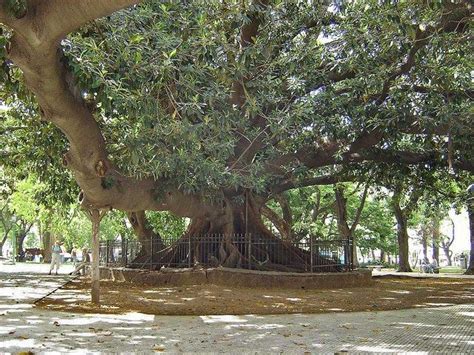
(95,217)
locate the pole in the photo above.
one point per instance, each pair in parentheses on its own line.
(250,251)
(152,251)
(246,211)
(95,216)
(95,274)
(311,251)
(107,250)
(189,251)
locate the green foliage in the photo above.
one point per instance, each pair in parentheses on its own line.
(313,212)
(31,241)
(167,225)
(377,226)
(160,76)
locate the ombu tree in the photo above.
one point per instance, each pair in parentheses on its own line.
(209,109)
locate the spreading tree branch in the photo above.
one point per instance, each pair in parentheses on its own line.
(60,17)
(359,209)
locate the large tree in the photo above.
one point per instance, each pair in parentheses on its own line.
(210,109)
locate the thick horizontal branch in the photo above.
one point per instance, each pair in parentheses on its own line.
(36,51)
(60,17)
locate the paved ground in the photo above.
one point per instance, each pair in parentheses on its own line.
(26,328)
(417,274)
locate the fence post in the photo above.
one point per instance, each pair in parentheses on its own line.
(151,255)
(250,250)
(347,259)
(189,251)
(125,253)
(351,253)
(311,251)
(107,252)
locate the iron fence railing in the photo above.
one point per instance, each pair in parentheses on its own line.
(245,251)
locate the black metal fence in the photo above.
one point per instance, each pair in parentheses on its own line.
(241,251)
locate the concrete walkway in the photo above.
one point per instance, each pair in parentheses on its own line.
(416,274)
(26,328)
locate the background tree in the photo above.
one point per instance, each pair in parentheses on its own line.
(469,197)
(447,241)
(7,224)
(377,229)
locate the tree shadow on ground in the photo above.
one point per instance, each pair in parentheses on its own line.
(386,294)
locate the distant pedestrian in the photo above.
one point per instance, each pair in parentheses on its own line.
(74,256)
(56,252)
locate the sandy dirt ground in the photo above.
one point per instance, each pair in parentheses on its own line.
(26,328)
(387,293)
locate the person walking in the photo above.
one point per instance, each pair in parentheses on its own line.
(56,251)
(74,256)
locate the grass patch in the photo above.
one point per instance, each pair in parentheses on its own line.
(452,270)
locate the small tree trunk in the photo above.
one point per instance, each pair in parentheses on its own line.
(110,251)
(47,244)
(20,238)
(424,244)
(2,243)
(449,255)
(436,239)
(470,210)
(382,256)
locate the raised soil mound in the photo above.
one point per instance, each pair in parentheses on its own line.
(238,278)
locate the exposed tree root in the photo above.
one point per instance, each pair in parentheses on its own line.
(233,241)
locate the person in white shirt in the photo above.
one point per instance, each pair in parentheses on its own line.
(56,252)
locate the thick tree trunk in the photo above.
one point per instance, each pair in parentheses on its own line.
(382,256)
(402,236)
(342,225)
(47,245)
(20,238)
(223,241)
(149,240)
